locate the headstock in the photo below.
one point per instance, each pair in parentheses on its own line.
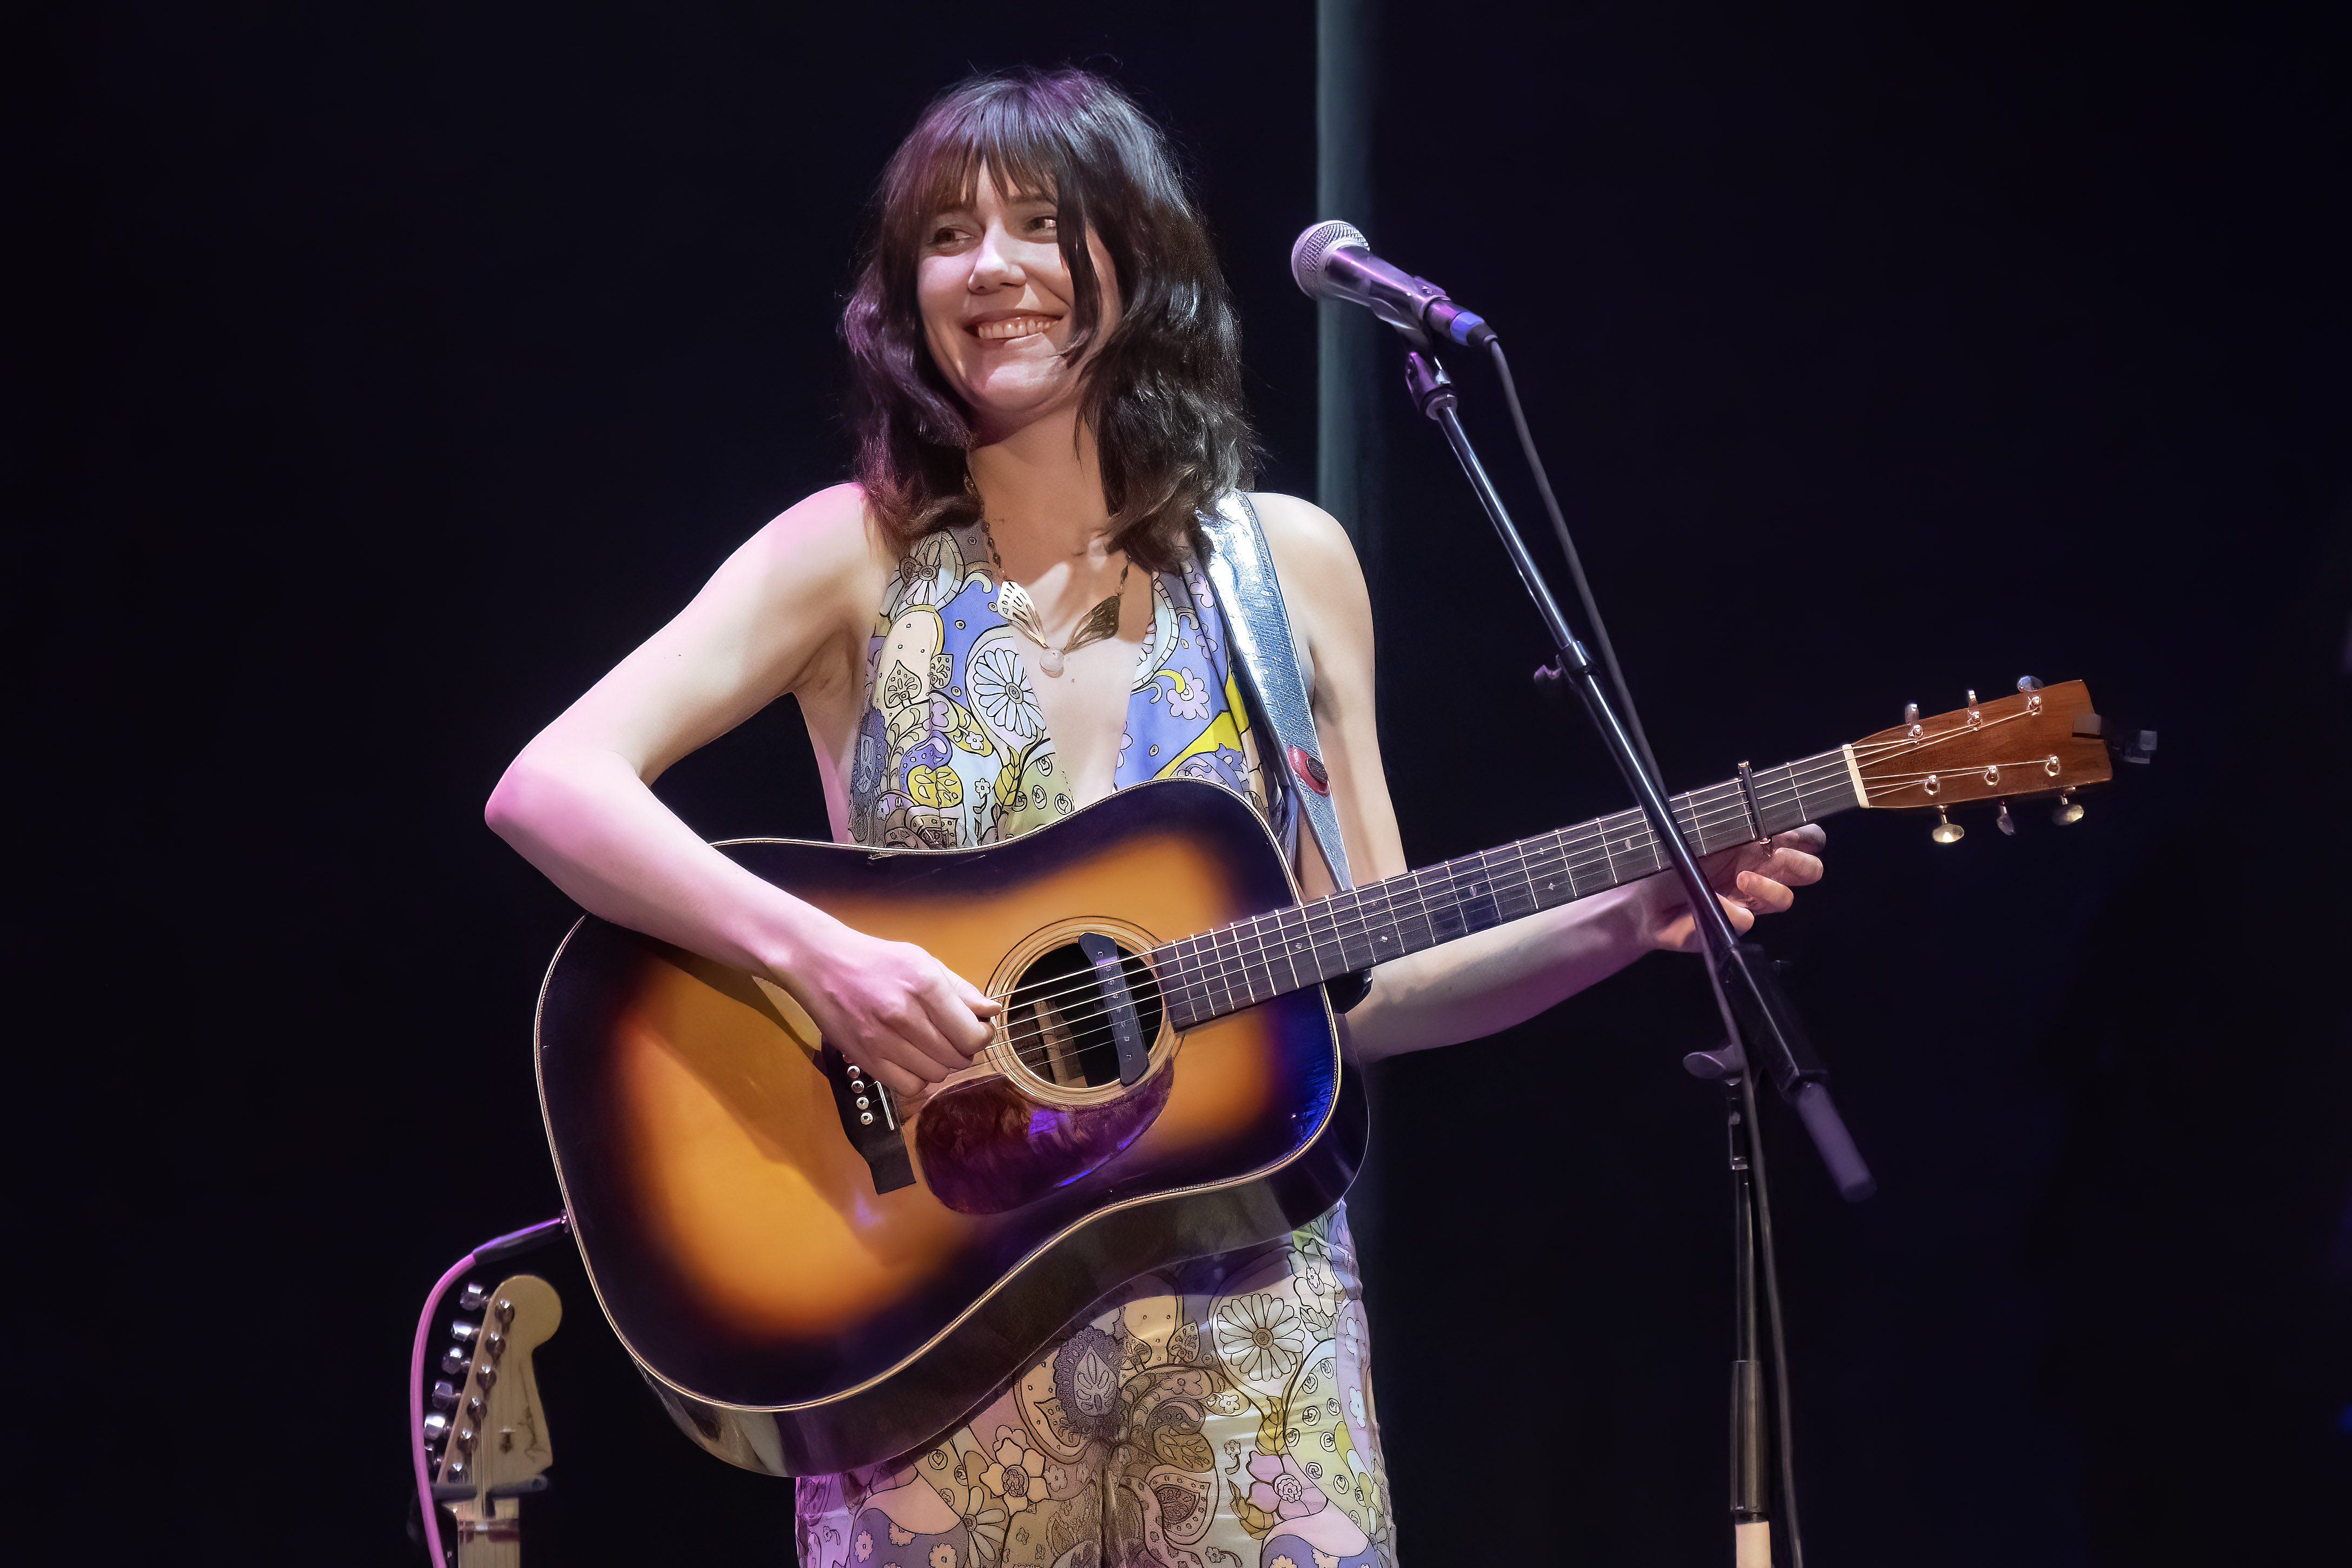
(497,1444)
(2043,740)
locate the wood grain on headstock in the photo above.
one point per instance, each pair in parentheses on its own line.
(498,1433)
(2011,748)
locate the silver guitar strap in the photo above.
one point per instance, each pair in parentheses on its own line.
(1266,653)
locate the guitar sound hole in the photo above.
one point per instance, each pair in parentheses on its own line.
(1060,1018)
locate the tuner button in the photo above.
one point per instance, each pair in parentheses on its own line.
(462,1331)
(437,1426)
(1910,713)
(455,1362)
(2066,812)
(2003,822)
(471,1301)
(445,1394)
(2028,683)
(1945,831)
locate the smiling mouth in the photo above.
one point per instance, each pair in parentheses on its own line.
(1012,327)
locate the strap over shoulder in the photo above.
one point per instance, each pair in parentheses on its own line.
(1241,568)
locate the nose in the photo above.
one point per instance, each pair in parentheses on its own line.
(992,266)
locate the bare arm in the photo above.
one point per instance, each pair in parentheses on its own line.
(1480,983)
(577,802)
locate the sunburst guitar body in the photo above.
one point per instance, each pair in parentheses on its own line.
(814,1277)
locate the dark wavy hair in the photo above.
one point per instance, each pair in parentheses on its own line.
(1161,392)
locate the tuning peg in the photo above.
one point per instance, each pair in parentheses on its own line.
(437,1426)
(1972,697)
(1945,831)
(2028,683)
(445,1394)
(1910,713)
(2003,823)
(461,1331)
(455,1362)
(471,1301)
(2066,812)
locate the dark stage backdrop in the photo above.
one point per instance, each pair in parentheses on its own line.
(392,369)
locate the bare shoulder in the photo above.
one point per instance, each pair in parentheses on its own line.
(1312,554)
(822,539)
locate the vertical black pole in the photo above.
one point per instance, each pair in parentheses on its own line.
(1347,335)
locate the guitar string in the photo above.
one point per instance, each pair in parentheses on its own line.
(1702,811)
(1578,849)
(1251,943)
(1700,824)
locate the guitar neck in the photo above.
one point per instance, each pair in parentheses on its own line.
(1241,964)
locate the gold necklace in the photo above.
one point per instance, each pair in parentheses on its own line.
(1014,603)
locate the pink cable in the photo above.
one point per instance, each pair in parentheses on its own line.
(416,1410)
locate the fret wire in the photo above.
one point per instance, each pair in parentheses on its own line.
(1563,854)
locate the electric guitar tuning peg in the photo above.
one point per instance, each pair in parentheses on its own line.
(2066,812)
(1945,831)
(2028,683)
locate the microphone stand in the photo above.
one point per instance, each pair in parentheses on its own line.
(1756,1015)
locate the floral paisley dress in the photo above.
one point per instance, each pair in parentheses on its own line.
(1217,1414)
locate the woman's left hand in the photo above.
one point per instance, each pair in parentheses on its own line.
(1752,880)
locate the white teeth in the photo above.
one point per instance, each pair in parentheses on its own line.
(1018,327)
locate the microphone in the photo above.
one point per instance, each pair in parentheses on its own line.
(1333,261)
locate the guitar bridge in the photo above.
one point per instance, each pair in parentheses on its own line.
(870,1118)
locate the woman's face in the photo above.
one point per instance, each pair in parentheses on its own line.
(998,305)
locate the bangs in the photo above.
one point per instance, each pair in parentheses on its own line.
(1161,383)
(1023,149)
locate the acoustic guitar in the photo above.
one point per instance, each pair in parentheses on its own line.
(814,1276)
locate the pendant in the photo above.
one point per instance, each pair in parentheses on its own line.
(1050,661)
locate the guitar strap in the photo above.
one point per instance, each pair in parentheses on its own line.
(1266,652)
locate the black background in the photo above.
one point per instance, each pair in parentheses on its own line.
(382,374)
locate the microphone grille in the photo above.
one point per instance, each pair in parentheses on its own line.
(1316,245)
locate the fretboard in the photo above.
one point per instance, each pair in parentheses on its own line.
(1241,964)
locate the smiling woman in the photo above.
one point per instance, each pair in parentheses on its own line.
(1085,197)
(1003,620)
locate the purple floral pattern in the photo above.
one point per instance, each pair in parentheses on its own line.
(952,749)
(1217,1413)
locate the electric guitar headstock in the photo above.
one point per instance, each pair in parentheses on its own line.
(2040,741)
(495,1444)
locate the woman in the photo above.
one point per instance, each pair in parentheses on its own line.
(1046,361)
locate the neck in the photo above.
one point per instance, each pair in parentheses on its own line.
(1243,964)
(1042,486)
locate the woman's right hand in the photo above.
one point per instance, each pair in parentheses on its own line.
(890,1008)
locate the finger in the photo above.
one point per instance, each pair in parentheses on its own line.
(1809,838)
(940,1055)
(982,1004)
(894,1078)
(1761,894)
(948,1000)
(1741,920)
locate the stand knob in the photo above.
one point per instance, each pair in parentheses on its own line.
(2066,812)
(1948,831)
